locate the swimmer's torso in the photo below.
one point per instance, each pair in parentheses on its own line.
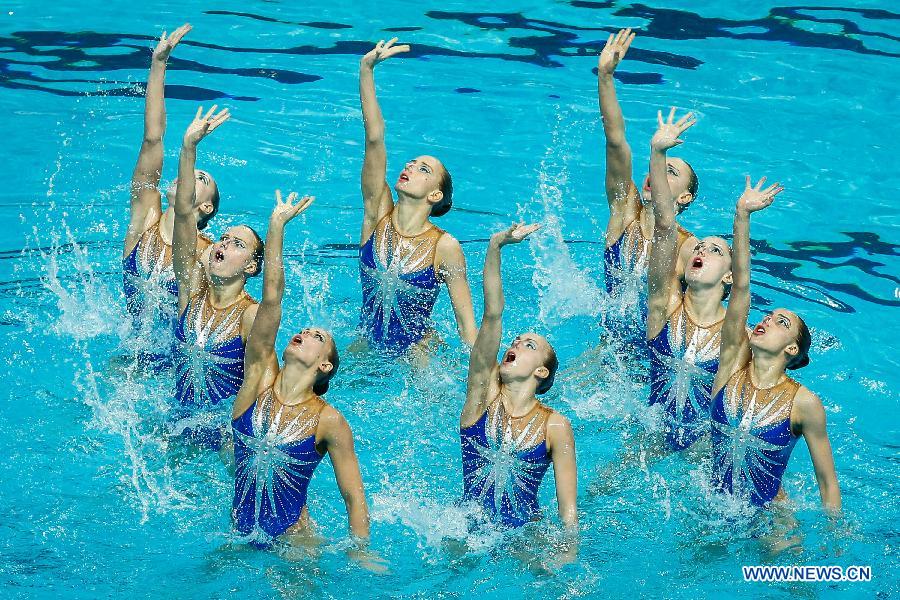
(684,358)
(400,285)
(751,437)
(504,460)
(275,456)
(209,355)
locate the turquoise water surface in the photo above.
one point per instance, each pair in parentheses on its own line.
(97,500)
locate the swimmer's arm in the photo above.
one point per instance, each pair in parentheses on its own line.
(661,281)
(335,432)
(184,237)
(377,199)
(561,440)
(452,268)
(145,197)
(735,345)
(812,425)
(620,190)
(482,384)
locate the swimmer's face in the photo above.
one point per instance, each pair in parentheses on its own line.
(421,178)
(777,333)
(678,172)
(205,187)
(709,264)
(311,347)
(233,253)
(525,358)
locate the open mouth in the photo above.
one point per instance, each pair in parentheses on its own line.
(403,177)
(297,339)
(219,255)
(697,262)
(510,357)
(759,330)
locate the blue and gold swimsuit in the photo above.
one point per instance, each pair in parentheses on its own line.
(752,439)
(399,286)
(504,459)
(275,455)
(684,358)
(209,359)
(151,294)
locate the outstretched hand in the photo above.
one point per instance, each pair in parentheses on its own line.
(285,210)
(614,51)
(382,51)
(515,234)
(668,133)
(167,43)
(202,126)
(755,198)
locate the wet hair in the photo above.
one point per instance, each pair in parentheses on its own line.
(804,341)
(693,186)
(259,252)
(203,220)
(446,187)
(552,364)
(321,384)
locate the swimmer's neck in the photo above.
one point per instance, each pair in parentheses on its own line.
(518,397)
(410,216)
(767,370)
(705,304)
(225,292)
(294,384)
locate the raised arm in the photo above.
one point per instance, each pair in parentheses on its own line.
(259,355)
(452,268)
(145,197)
(620,190)
(482,381)
(735,347)
(184,237)
(812,425)
(661,280)
(377,199)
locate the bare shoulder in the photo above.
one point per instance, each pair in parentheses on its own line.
(559,430)
(332,424)
(448,246)
(808,408)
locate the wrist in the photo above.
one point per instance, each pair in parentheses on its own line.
(605,77)
(741,214)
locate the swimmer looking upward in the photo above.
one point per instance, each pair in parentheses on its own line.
(282,426)
(215,312)
(682,326)
(508,437)
(630,227)
(149,280)
(403,257)
(758,412)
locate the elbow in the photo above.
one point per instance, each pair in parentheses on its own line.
(152,138)
(374,134)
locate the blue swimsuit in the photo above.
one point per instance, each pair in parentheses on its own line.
(275,456)
(752,438)
(684,358)
(209,359)
(504,460)
(151,294)
(399,287)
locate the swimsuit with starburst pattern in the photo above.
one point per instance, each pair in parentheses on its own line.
(625,275)
(275,455)
(684,358)
(399,286)
(151,293)
(504,459)
(752,439)
(209,359)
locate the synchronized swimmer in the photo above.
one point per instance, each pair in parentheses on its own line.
(712,379)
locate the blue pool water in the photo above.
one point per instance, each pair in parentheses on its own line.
(97,501)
